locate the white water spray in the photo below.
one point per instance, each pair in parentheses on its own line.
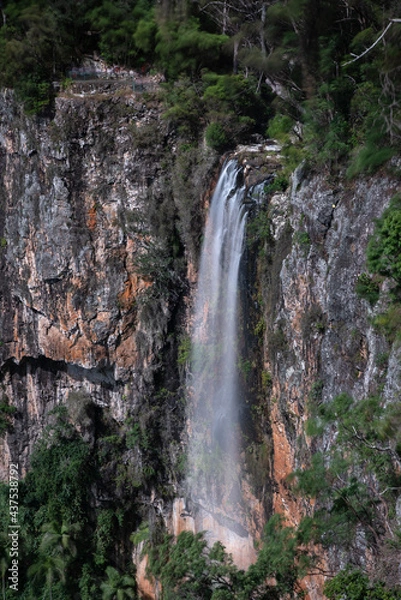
(213,456)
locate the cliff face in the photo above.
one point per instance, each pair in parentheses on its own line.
(95,285)
(77,194)
(319,340)
(327,332)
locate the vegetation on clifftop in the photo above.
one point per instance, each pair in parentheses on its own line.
(323,68)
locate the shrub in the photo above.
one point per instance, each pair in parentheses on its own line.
(36,95)
(279,184)
(216,137)
(353,584)
(384,248)
(6,413)
(302,238)
(369,159)
(388,323)
(367,288)
(279,127)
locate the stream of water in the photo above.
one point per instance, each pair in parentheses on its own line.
(213,471)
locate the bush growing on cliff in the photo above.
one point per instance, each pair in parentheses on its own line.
(368,288)
(216,137)
(355,482)
(384,248)
(352,584)
(74,503)
(6,413)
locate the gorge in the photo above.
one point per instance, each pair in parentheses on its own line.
(102,212)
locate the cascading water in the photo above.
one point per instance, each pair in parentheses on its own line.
(213,476)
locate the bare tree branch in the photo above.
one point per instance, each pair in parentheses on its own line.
(374,44)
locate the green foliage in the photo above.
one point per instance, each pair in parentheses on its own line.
(280,558)
(189,568)
(182,568)
(259,229)
(388,322)
(116,29)
(58,538)
(302,238)
(142,534)
(280,127)
(37,43)
(267,379)
(364,444)
(48,568)
(352,584)
(36,95)
(316,392)
(87,586)
(118,586)
(157,266)
(228,54)
(384,248)
(367,288)
(224,108)
(59,493)
(369,159)
(133,435)
(279,184)
(216,137)
(326,130)
(66,538)
(184,350)
(182,47)
(145,34)
(104,536)
(375,151)
(6,413)
(384,259)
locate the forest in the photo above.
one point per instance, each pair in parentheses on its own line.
(231,69)
(323,78)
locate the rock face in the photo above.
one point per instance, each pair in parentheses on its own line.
(319,337)
(327,335)
(96,287)
(76,195)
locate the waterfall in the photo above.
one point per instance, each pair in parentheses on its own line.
(213,455)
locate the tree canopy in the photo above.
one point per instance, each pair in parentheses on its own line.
(334,67)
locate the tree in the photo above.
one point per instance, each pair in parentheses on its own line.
(355,482)
(184,48)
(57,484)
(50,567)
(189,569)
(115,28)
(118,586)
(282,561)
(58,539)
(353,584)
